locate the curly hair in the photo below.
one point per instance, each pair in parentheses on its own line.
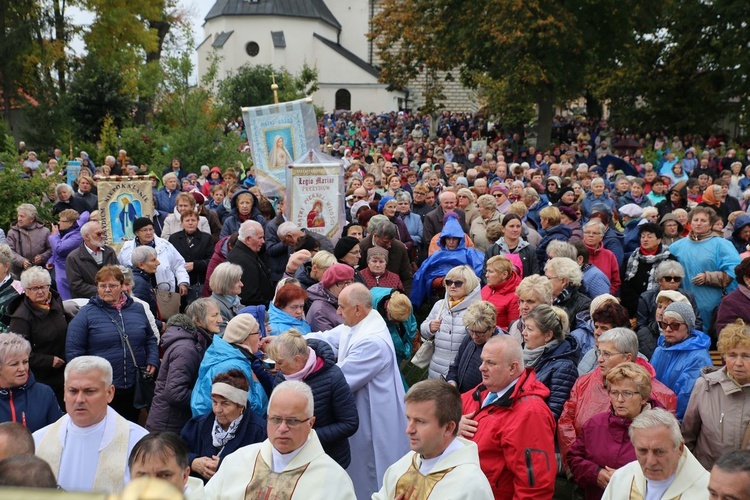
(733,335)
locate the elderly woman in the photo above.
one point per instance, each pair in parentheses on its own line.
(709,262)
(511,242)
(184,342)
(412,221)
(166,198)
(444,324)
(66,200)
(65,237)
(28,239)
(244,206)
(595,196)
(225,428)
(640,271)
(668,275)
(589,397)
(672,229)
(395,308)
(127,287)
(566,277)
(324,297)
(100,329)
(9,288)
(184,202)
(236,349)
(39,316)
(479,320)
(487,209)
(287,310)
(196,247)
(603,446)
(717,416)
(532,291)
(551,352)
(466,202)
(605,313)
(376,274)
(145,263)
(23,399)
(314,363)
(736,305)
(682,353)
(388,207)
(502,280)
(226,285)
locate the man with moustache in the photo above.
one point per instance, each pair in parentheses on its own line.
(82,264)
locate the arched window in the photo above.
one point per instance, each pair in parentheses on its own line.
(343,99)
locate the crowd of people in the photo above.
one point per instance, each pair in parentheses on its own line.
(563,306)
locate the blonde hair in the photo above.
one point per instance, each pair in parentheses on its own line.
(552,214)
(482,314)
(464,273)
(500,264)
(536,284)
(288,345)
(399,307)
(634,372)
(323,260)
(518,208)
(733,335)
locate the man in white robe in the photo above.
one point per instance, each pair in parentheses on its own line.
(664,467)
(88,448)
(439,465)
(368,359)
(290,464)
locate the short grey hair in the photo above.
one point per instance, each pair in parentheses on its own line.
(566,268)
(358,294)
(403,196)
(298,387)
(86,364)
(63,187)
(531,193)
(35,274)
(624,339)
(376,221)
(557,248)
(657,417)
(669,268)
(598,180)
(198,310)
(224,277)
(88,227)
(170,175)
(250,228)
(597,224)
(386,230)
(287,228)
(6,255)
(127,274)
(142,254)
(13,345)
(28,209)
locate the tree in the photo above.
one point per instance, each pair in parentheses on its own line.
(250,85)
(18,21)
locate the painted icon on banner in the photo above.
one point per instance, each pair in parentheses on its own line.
(278,142)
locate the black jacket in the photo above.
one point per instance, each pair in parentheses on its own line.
(198,250)
(81,269)
(257,287)
(464,370)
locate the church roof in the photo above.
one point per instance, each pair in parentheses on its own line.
(311,9)
(350,56)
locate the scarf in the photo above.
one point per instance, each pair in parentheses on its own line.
(47,303)
(504,248)
(221,437)
(306,370)
(532,356)
(662,254)
(120,302)
(563,297)
(700,237)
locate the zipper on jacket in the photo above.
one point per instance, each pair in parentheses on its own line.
(721,425)
(12,407)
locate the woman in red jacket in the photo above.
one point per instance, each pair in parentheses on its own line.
(500,291)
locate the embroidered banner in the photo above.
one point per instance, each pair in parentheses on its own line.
(121,202)
(316,198)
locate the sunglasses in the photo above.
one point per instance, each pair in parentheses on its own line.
(450,283)
(498,195)
(675,279)
(672,326)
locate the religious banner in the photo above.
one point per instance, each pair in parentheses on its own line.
(315,195)
(121,202)
(73,170)
(279,133)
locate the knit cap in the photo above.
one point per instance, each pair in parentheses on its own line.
(140,223)
(377,251)
(239,328)
(344,246)
(599,301)
(672,295)
(683,312)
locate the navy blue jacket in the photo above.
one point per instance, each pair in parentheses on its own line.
(94,331)
(32,404)
(336,417)
(464,370)
(197,436)
(232,223)
(558,370)
(144,285)
(560,232)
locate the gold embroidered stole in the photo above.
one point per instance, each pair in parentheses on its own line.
(268,485)
(112,462)
(416,486)
(635,494)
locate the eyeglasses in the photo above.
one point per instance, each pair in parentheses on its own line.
(605,355)
(626,395)
(109,286)
(475,333)
(552,277)
(290,422)
(498,195)
(675,279)
(592,233)
(36,289)
(450,283)
(345,283)
(672,326)
(255,333)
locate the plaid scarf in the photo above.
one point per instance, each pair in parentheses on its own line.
(653,260)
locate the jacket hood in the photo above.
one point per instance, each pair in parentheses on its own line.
(452,229)
(318,292)
(508,286)
(646,366)
(673,217)
(233,203)
(567,349)
(216,169)
(471,297)
(323,350)
(223,351)
(174,333)
(612,234)
(739,223)
(696,341)
(560,229)
(30,382)
(527,385)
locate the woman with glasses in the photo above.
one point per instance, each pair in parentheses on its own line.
(682,353)
(736,305)
(445,324)
(718,415)
(566,277)
(603,445)
(238,348)
(533,290)
(479,319)
(101,328)
(225,427)
(502,280)
(314,363)
(38,315)
(287,310)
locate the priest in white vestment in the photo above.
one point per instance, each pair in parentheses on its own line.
(368,359)
(290,464)
(88,448)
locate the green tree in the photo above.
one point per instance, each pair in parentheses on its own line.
(18,23)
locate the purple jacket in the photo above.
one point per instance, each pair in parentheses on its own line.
(603,441)
(733,306)
(61,247)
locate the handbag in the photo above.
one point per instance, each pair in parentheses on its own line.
(167,302)
(423,356)
(145,385)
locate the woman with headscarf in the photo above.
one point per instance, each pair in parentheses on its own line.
(712,199)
